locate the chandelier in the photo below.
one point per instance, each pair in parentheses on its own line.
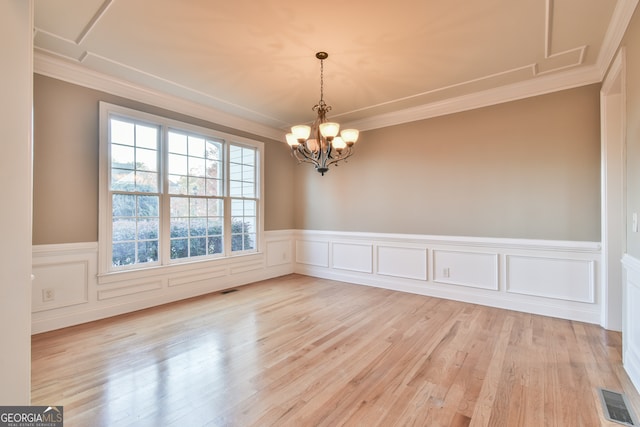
(320,144)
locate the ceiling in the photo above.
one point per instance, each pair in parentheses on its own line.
(389,62)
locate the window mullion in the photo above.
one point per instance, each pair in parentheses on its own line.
(165,199)
(227,202)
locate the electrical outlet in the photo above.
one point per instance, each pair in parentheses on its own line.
(48,295)
(446,272)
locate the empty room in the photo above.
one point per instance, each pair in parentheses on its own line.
(347,213)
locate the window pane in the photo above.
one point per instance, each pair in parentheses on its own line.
(124,253)
(248,173)
(197,186)
(236,242)
(179,248)
(214,169)
(215,207)
(148,205)
(123,157)
(214,245)
(249,241)
(198,207)
(235,154)
(122,132)
(235,172)
(122,180)
(146,160)
(178,184)
(123,205)
(196,146)
(179,227)
(248,189)
(148,251)
(249,156)
(249,207)
(249,225)
(148,229)
(147,136)
(178,164)
(198,247)
(214,227)
(213,150)
(237,207)
(214,187)
(179,207)
(123,229)
(198,227)
(177,143)
(197,167)
(147,182)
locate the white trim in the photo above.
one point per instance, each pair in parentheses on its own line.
(485,242)
(613,210)
(631,320)
(541,85)
(620,20)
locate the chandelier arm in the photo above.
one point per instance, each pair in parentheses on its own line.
(340,158)
(303,155)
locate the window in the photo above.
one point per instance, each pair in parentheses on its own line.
(171,192)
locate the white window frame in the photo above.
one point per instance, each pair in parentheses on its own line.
(105,267)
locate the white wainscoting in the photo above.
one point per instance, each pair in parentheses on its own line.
(631,319)
(69,272)
(553,278)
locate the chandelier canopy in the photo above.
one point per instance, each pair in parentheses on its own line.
(320,144)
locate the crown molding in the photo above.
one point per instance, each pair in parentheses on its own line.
(622,15)
(538,86)
(77,74)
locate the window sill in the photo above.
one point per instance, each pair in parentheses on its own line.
(188,266)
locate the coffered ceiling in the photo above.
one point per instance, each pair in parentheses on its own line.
(389,62)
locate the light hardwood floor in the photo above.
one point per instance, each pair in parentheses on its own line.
(302,351)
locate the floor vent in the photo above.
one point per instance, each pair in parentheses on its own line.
(616,408)
(228,291)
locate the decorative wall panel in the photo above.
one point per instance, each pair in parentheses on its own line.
(402,262)
(473,269)
(567,279)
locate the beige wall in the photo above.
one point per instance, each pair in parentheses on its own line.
(632,45)
(16,45)
(66,163)
(524,169)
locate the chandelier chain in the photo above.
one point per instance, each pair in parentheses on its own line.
(321,80)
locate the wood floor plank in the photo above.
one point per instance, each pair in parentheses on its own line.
(302,351)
